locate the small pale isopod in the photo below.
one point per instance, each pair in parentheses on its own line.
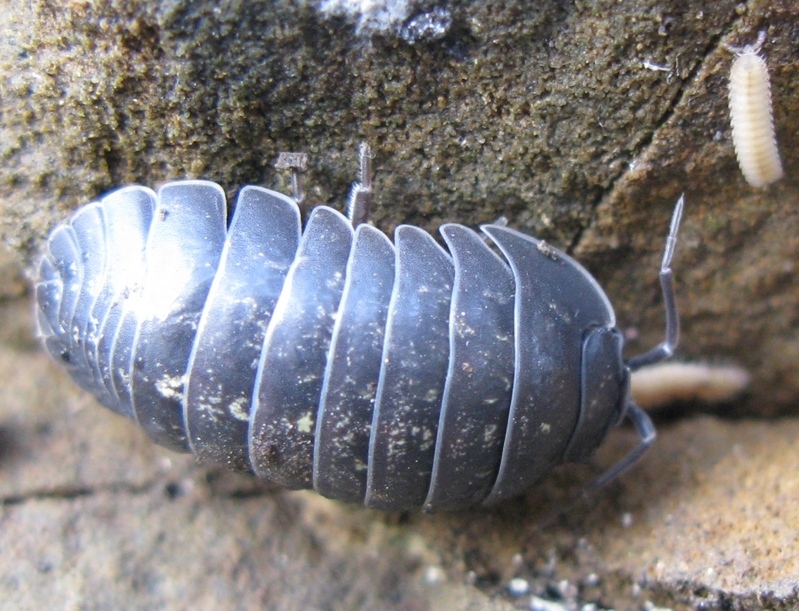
(665,383)
(397,375)
(750,114)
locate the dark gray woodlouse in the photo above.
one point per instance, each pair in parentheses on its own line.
(396,375)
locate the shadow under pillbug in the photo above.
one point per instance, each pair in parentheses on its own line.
(396,375)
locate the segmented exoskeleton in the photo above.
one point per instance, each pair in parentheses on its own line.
(753,133)
(396,375)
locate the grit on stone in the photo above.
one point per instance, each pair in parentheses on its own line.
(582,123)
(94,514)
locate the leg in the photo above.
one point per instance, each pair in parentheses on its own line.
(647,433)
(500,221)
(361,195)
(298,164)
(666,348)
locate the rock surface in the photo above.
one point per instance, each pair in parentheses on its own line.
(582,123)
(93,515)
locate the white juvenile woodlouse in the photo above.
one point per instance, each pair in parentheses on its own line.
(665,383)
(750,114)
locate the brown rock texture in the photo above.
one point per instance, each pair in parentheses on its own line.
(93,515)
(581,122)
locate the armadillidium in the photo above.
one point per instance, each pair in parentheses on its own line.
(397,375)
(751,116)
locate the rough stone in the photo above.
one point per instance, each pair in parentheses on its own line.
(561,119)
(581,123)
(93,515)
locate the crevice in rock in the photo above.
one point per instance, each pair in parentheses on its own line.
(711,47)
(68,493)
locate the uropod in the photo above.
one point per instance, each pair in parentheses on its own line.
(398,375)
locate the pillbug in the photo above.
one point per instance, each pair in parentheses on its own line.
(397,375)
(751,116)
